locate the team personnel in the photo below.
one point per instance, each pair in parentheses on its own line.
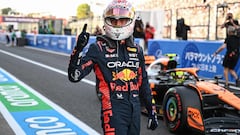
(120,69)
(230,21)
(231,57)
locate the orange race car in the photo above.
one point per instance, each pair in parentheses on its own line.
(187,102)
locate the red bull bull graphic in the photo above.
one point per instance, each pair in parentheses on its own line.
(124,75)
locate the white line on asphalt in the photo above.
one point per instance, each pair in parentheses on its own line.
(66,114)
(11,121)
(45,66)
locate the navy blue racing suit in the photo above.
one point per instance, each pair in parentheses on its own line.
(120,70)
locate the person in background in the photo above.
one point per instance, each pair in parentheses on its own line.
(45,30)
(18,36)
(149,32)
(138,31)
(41,30)
(18,33)
(120,70)
(13,37)
(34,31)
(182,29)
(230,21)
(98,31)
(8,37)
(232,43)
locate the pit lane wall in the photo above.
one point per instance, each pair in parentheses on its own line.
(190,53)
(60,43)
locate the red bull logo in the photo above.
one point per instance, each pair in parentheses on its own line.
(125,75)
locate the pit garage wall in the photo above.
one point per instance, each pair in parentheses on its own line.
(190,53)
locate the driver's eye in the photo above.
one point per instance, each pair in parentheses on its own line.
(113,21)
(118,22)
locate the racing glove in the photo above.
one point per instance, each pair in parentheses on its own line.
(152,121)
(81,43)
(75,58)
(82,39)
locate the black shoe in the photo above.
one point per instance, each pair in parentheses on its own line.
(226,86)
(238,82)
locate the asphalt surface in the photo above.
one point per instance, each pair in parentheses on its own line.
(79,99)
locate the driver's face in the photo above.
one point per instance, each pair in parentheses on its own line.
(118,22)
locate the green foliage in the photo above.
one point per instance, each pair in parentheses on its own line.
(5,11)
(84,11)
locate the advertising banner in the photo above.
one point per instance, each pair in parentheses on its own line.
(193,54)
(189,53)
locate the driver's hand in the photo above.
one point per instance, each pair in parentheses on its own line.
(82,39)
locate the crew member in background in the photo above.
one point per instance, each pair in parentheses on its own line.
(149,33)
(138,31)
(230,21)
(182,29)
(232,43)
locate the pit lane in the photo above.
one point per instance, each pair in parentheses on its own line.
(79,99)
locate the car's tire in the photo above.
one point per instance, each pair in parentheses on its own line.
(176,102)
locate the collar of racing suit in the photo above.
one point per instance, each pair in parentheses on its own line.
(112,43)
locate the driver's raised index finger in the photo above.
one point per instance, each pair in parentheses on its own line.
(84,28)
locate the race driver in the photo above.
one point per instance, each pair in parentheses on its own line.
(120,70)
